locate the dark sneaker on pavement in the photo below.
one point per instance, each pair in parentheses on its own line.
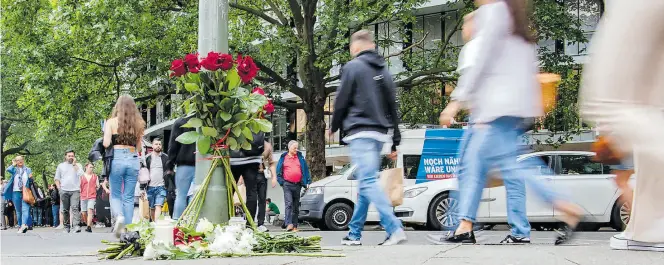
(67,229)
(88,229)
(510,239)
(347,241)
(564,235)
(396,238)
(465,238)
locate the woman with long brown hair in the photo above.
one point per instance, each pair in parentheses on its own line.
(123,131)
(501,90)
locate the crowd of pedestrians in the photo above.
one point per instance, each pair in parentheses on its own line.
(498,85)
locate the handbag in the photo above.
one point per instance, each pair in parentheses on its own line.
(28,197)
(144,207)
(391,181)
(242,190)
(144,175)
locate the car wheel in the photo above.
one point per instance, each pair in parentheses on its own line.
(441,213)
(620,216)
(338,216)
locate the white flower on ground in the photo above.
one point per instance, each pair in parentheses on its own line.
(204,226)
(156,250)
(232,240)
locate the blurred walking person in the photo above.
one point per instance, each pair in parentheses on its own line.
(89,185)
(181,156)
(55,204)
(159,184)
(623,92)
(20,177)
(267,170)
(124,131)
(365,109)
(68,179)
(501,90)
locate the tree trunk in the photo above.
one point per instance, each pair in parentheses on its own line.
(315,134)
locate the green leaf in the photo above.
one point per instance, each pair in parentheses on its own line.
(264,125)
(232,143)
(209,131)
(253,125)
(227,126)
(191,87)
(240,117)
(246,145)
(188,137)
(237,130)
(247,133)
(233,79)
(225,115)
(193,123)
(204,144)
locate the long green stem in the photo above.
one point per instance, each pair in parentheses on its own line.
(250,218)
(315,255)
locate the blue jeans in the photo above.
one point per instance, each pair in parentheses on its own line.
(55,211)
(183,178)
(123,178)
(37,216)
(22,209)
(365,153)
(156,196)
(496,144)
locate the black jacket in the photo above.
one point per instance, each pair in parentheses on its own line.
(55,196)
(169,179)
(178,153)
(105,154)
(366,98)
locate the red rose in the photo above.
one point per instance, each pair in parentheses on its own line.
(177,66)
(225,61)
(246,68)
(269,107)
(194,70)
(210,62)
(192,61)
(258,90)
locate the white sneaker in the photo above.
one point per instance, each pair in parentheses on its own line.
(621,242)
(119,226)
(23,229)
(60,227)
(396,238)
(263,229)
(347,241)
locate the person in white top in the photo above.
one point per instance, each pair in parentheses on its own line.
(500,88)
(623,92)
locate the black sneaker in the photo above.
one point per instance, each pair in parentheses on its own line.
(465,238)
(88,229)
(564,235)
(67,229)
(347,241)
(510,239)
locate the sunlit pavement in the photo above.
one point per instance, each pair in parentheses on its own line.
(49,246)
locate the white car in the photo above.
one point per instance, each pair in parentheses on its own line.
(575,176)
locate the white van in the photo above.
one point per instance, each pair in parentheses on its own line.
(328,203)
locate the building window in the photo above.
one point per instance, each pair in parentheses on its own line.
(587,12)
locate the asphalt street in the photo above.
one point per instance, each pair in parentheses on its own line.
(49,246)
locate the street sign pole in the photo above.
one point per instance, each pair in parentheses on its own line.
(212,36)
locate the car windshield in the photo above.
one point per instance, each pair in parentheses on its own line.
(344,170)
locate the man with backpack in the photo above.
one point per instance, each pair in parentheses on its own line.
(365,109)
(159,184)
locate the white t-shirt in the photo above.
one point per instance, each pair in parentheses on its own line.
(23,172)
